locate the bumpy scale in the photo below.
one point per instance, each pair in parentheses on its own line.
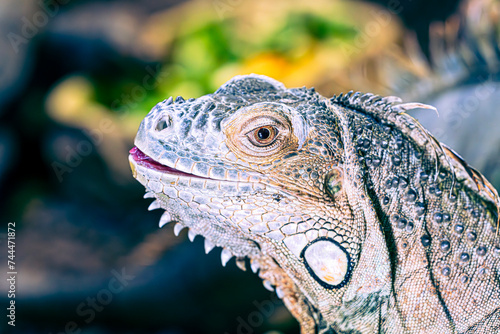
(361,220)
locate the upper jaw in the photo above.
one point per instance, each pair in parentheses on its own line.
(160,178)
(171,158)
(142,159)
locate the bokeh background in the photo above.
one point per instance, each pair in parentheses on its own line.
(77,77)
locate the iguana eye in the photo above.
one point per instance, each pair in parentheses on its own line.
(263,136)
(262,132)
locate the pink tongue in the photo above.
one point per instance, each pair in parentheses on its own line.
(143,160)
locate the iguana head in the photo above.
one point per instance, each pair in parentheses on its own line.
(256,169)
(282,176)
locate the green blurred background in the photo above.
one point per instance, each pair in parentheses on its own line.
(77,77)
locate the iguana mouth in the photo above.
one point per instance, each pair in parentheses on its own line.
(146,161)
(265,266)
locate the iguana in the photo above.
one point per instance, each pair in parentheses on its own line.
(359,218)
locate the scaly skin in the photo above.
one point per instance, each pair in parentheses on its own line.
(362,221)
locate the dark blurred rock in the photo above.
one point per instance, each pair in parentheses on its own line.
(7,152)
(16,47)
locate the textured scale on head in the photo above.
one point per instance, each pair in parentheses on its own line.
(359,218)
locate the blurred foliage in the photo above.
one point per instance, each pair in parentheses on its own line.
(297,44)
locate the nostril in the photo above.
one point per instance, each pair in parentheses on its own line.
(163,123)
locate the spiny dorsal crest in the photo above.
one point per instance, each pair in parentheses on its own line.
(379,107)
(391,110)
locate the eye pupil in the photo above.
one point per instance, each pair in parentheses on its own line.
(263,136)
(263,133)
